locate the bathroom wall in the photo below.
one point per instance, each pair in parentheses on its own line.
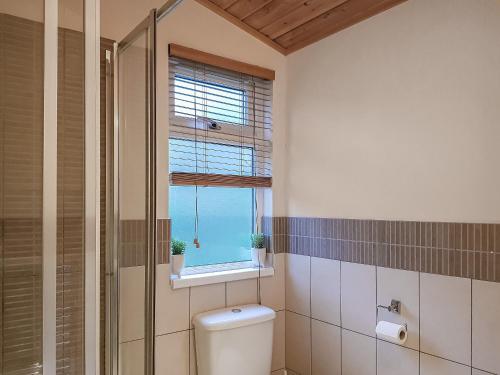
(397,116)
(175,308)
(194,26)
(392,119)
(392,124)
(446,275)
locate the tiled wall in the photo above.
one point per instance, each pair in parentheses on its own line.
(325,294)
(334,286)
(453,249)
(132,242)
(175,353)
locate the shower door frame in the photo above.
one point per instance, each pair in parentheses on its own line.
(92,185)
(49,195)
(148,27)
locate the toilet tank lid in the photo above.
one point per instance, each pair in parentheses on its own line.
(233,317)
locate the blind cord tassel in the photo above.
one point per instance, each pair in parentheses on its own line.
(196,241)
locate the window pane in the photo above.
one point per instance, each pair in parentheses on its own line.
(225,223)
(195,98)
(209,158)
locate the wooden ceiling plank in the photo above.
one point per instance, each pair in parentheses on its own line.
(270,12)
(224,4)
(237,22)
(243,8)
(334,21)
(309,10)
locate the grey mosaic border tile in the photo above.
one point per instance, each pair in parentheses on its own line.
(163,236)
(469,250)
(132,242)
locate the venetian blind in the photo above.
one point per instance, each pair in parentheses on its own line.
(220,122)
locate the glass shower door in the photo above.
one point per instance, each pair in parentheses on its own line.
(135,200)
(21,182)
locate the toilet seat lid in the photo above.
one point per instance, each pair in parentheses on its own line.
(233,317)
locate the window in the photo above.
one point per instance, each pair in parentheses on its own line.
(226,215)
(217,102)
(225,221)
(220,143)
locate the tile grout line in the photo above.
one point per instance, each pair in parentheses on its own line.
(419,326)
(189,334)
(310,316)
(471,327)
(341,325)
(376,322)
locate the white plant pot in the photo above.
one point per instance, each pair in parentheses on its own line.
(177,264)
(258,257)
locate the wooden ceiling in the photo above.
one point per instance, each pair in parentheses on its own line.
(289,25)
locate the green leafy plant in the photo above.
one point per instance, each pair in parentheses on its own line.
(178,247)
(258,241)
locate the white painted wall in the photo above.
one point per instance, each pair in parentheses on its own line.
(398,116)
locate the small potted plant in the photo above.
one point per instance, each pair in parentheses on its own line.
(178,248)
(258,249)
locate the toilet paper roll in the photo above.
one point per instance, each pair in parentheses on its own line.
(391,332)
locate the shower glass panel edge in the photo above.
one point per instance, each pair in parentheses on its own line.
(135,197)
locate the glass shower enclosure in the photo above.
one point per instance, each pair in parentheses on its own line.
(49,182)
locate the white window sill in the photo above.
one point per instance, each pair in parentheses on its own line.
(215,277)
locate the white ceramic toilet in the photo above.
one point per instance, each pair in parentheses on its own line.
(236,340)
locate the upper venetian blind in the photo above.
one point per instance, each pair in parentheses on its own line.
(220,121)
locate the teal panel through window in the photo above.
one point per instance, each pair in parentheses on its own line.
(225,223)
(225,215)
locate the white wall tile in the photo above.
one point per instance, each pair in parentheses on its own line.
(486,325)
(326,349)
(273,288)
(172,306)
(325,290)
(402,286)
(172,354)
(358,354)
(430,365)
(395,360)
(298,343)
(358,297)
(242,292)
(279,342)
(131,303)
(131,358)
(445,317)
(479,372)
(206,298)
(298,296)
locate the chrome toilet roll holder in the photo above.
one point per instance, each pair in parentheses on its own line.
(394,307)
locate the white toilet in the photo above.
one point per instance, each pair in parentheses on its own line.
(236,340)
